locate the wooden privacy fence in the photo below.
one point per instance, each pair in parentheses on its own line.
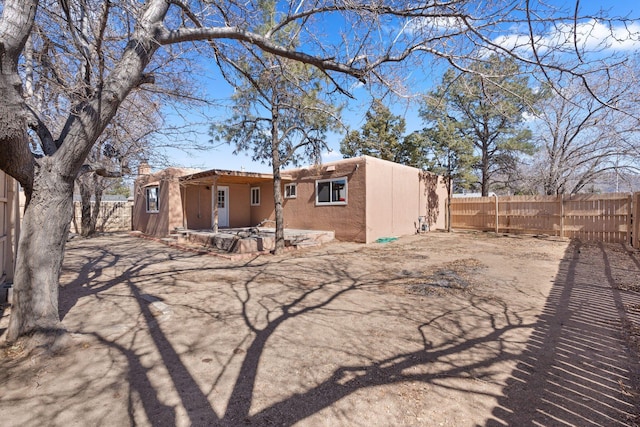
(113,216)
(595,217)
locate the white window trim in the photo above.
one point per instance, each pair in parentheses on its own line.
(337,203)
(295,191)
(253,189)
(146,197)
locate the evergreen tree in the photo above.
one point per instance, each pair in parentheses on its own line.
(489,104)
(382,137)
(279,114)
(449,153)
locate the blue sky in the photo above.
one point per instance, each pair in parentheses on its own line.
(221,157)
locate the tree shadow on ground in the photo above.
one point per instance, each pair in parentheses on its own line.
(581,321)
(577,368)
(264,314)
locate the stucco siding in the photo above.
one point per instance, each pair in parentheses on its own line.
(393,199)
(239,209)
(169,215)
(433,200)
(347,221)
(266,209)
(198,206)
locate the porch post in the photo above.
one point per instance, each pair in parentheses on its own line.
(215,203)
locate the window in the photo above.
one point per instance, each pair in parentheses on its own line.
(290,191)
(255,196)
(331,191)
(153,201)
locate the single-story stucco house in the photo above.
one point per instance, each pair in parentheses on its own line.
(360,199)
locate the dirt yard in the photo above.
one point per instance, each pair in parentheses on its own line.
(431,330)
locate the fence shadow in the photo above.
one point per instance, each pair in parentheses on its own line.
(577,357)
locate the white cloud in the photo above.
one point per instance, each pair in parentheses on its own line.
(589,36)
(329,156)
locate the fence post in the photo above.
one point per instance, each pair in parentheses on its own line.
(635,221)
(561,199)
(497,219)
(629,236)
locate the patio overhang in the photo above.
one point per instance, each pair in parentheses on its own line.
(222,177)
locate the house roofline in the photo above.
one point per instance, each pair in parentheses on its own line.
(228,176)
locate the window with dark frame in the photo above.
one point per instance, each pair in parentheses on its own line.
(255,196)
(331,191)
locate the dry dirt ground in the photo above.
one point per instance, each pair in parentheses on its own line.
(430,330)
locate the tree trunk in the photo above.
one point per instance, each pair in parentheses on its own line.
(44,231)
(277,180)
(48,181)
(484,184)
(277,199)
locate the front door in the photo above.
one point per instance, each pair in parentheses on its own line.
(223,207)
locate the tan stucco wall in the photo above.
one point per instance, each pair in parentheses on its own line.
(170,208)
(266,210)
(239,209)
(199,207)
(397,196)
(433,200)
(198,203)
(393,199)
(347,221)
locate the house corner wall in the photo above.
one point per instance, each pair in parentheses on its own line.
(347,221)
(393,199)
(169,215)
(433,200)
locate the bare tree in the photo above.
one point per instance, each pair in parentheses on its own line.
(116,48)
(125,142)
(580,139)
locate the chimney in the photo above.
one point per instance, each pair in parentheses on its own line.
(144,168)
